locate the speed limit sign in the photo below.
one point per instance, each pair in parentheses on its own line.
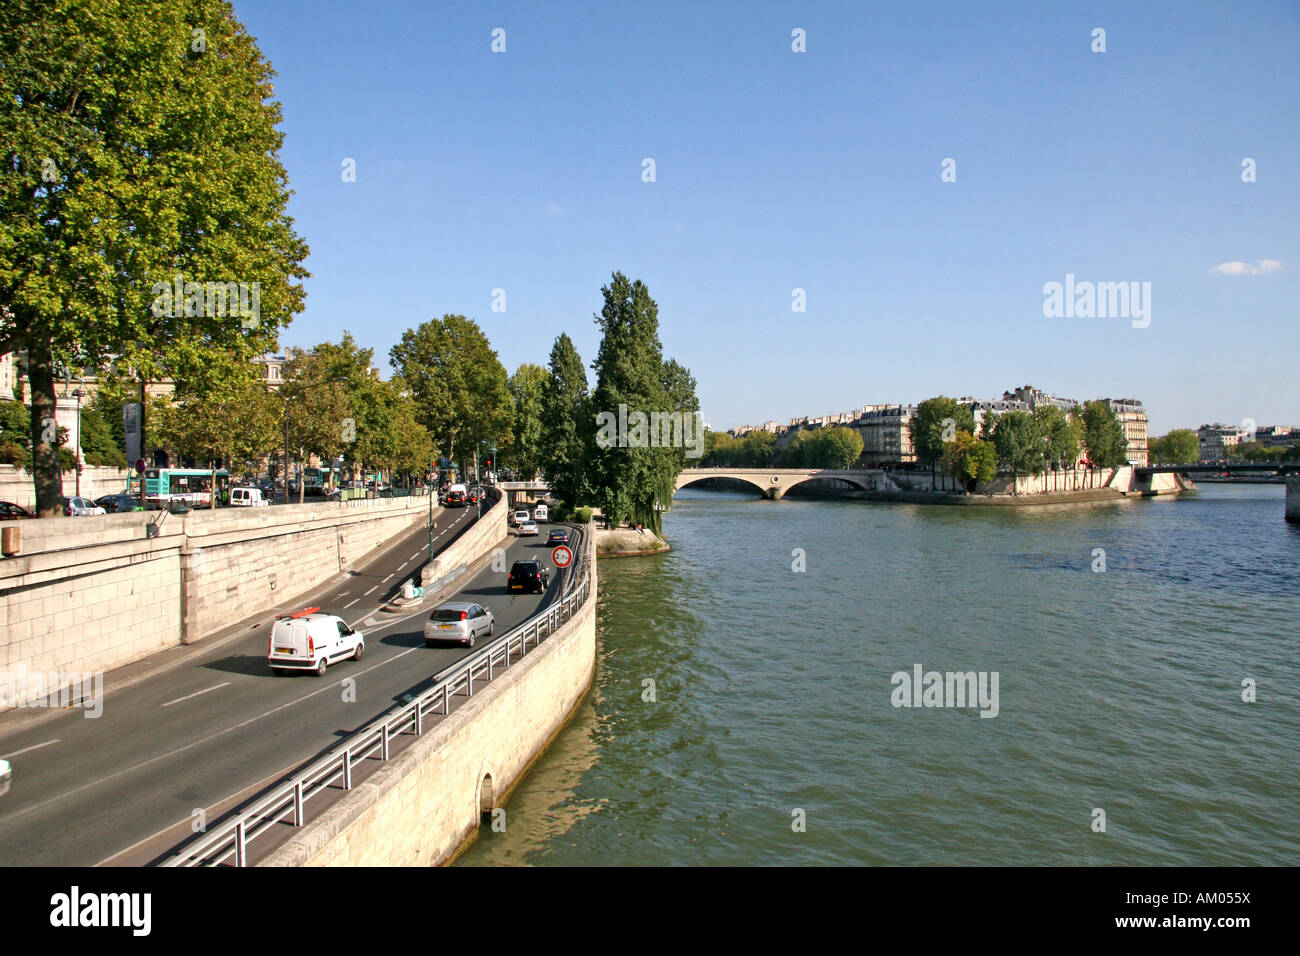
(562,556)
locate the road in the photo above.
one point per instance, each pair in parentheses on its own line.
(219,727)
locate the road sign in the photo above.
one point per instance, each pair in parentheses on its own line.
(562,556)
(139,466)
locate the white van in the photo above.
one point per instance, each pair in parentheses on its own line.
(540,513)
(309,640)
(247,498)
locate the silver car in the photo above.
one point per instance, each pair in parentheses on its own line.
(461,622)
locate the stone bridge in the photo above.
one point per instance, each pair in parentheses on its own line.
(775,482)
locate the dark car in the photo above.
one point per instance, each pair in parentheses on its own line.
(12,512)
(455,499)
(558,536)
(528,576)
(116,503)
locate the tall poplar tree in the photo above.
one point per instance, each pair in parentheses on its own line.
(631,477)
(567,425)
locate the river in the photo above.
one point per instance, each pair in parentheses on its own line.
(769,734)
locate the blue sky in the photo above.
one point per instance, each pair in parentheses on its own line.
(820,170)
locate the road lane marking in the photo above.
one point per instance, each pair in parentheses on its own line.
(197,693)
(350,603)
(330,688)
(31,748)
(372,590)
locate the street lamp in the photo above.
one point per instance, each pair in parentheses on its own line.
(77,393)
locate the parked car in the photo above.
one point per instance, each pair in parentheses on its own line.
(528,576)
(247,498)
(558,536)
(310,641)
(114,504)
(12,512)
(81,508)
(460,622)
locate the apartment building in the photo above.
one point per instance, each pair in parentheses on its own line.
(1132,417)
(1215,440)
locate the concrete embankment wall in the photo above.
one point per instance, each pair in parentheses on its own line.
(1053,488)
(489,531)
(1004,485)
(90,594)
(1293,499)
(96,481)
(422,807)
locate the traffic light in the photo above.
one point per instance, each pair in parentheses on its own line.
(489,462)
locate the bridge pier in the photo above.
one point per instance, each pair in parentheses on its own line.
(1293,498)
(774,494)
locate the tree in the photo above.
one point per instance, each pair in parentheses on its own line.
(1178,447)
(755,450)
(1018,440)
(1103,435)
(632,472)
(457,383)
(970,460)
(315,410)
(140,144)
(388,437)
(235,422)
(567,425)
(97,443)
(527,388)
(936,421)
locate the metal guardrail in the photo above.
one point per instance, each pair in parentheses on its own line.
(228,843)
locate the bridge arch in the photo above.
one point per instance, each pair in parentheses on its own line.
(744,479)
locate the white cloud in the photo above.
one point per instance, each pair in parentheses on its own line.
(1263,267)
(554,209)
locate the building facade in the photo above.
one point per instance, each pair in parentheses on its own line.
(1215,440)
(1132,418)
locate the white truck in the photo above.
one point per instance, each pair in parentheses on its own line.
(308,640)
(247,498)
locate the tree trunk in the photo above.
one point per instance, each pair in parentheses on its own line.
(46,473)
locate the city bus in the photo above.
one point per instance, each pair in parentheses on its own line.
(193,486)
(316,480)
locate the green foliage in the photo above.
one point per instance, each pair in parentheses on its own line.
(1103,435)
(567,425)
(1059,436)
(15,425)
(629,481)
(12,454)
(527,389)
(130,158)
(225,414)
(1020,443)
(935,419)
(583,515)
(1178,447)
(97,442)
(457,383)
(969,459)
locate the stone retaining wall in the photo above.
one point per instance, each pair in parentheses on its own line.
(422,808)
(91,594)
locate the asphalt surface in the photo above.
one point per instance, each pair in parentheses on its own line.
(219,726)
